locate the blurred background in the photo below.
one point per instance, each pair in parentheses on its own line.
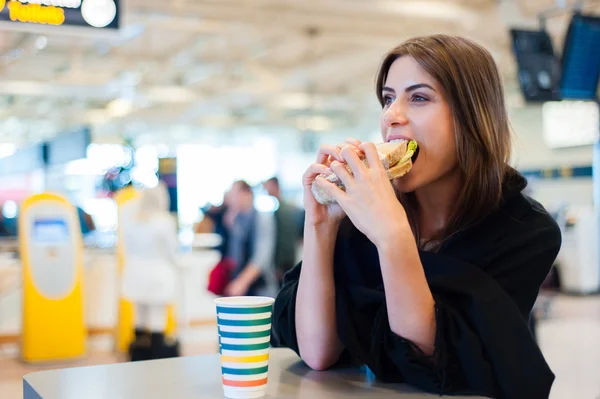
(101,96)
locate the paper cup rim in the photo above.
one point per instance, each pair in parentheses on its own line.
(244,301)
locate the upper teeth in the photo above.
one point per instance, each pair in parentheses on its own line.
(397,141)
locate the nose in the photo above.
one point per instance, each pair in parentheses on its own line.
(395,115)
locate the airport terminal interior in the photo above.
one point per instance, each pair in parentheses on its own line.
(117,113)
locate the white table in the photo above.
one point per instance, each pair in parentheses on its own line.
(197,377)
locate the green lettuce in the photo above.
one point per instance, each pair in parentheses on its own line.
(410,151)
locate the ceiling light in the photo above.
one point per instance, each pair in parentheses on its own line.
(96,116)
(169,94)
(41,42)
(295,101)
(119,107)
(428,9)
(7,149)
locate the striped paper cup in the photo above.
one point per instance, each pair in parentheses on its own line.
(244,334)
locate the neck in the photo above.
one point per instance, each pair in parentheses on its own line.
(436,202)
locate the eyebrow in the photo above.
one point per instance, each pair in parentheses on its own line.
(410,88)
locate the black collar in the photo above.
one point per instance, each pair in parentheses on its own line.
(514,183)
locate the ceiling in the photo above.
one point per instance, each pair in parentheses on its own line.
(183,67)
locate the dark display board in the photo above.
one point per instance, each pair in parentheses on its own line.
(97,14)
(581,58)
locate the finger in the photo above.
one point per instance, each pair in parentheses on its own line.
(353,147)
(313,171)
(357,166)
(350,142)
(372,155)
(331,189)
(326,151)
(342,172)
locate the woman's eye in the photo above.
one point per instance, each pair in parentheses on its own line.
(388,100)
(419,98)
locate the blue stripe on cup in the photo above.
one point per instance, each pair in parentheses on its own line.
(243,323)
(242,335)
(254,371)
(251,347)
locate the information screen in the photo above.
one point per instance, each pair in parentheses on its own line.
(50,232)
(570,123)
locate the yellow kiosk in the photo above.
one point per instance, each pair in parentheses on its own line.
(126,203)
(51,250)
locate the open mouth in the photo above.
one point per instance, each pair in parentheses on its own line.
(416,154)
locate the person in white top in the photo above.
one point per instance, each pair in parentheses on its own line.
(149,276)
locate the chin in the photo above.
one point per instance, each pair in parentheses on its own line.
(406,184)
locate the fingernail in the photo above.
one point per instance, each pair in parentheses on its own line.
(329,171)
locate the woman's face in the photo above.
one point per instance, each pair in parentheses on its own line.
(415,109)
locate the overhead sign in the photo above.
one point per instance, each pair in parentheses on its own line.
(68,147)
(102,14)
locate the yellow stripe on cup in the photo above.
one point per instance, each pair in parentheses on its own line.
(244,359)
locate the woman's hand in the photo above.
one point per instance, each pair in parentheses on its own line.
(369,200)
(318,214)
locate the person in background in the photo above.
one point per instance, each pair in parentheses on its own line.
(251,244)
(149,277)
(288,234)
(214,221)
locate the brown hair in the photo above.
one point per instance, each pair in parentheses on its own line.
(274,180)
(243,185)
(472,87)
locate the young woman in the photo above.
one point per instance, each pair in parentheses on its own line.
(429,280)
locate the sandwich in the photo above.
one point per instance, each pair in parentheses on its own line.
(396,157)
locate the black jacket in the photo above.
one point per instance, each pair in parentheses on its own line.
(484,281)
